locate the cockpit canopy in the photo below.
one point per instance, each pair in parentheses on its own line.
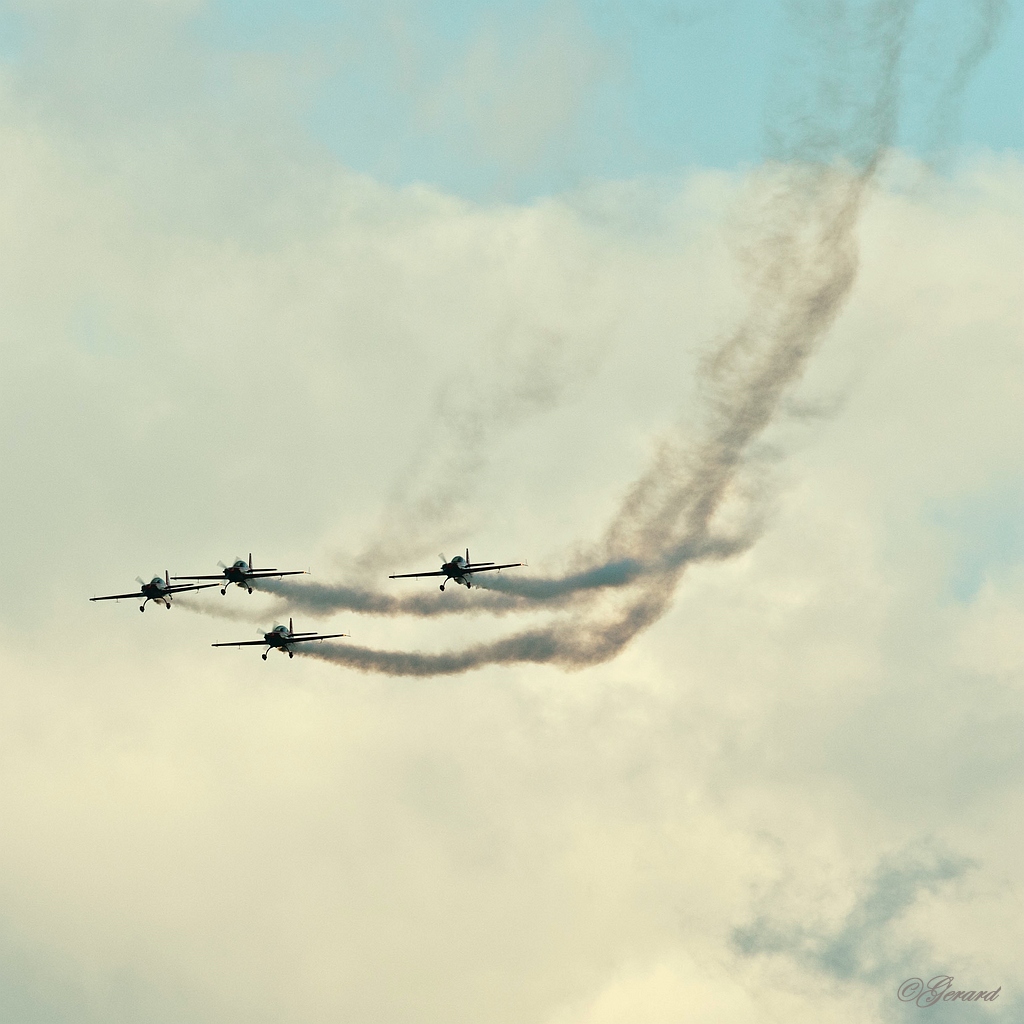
(241,564)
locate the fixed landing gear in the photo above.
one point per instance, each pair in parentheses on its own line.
(142,607)
(263,656)
(168,606)
(290,654)
(249,589)
(223,591)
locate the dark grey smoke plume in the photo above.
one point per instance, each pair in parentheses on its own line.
(800,255)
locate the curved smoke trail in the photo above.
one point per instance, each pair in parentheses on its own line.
(808,269)
(801,259)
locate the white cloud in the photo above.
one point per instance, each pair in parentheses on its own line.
(673,988)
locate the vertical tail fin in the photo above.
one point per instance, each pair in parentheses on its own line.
(291,628)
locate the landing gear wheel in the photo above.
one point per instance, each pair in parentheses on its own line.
(249,589)
(263,656)
(290,655)
(142,607)
(167,606)
(441,588)
(224,591)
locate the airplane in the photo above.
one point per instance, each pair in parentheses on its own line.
(157,589)
(281,637)
(240,573)
(458,569)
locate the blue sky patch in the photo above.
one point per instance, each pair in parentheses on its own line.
(662,86)
(988,535)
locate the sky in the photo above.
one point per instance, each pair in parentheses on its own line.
(710,313)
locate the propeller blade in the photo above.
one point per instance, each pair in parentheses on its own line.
(222,565)
(139,579)
(444,561)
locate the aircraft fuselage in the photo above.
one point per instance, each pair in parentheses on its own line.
(156,590)
(278,639)
(456,570)
(237,573)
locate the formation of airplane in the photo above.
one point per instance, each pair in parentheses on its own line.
(161,590)
(458,569)
(241,573)
(282,638)
(158,589)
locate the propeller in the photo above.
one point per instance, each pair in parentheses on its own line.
(222,565)
(444,561)
(140,581)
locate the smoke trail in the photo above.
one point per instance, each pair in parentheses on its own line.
(575,644)
(807,271)
(801,270)
(801,262)
(503,594)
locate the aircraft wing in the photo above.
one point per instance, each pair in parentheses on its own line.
(484,568)
(244,643)
(409,575)
(117,597)
(219,576)
(328,636)
(260,574)
(191,586)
